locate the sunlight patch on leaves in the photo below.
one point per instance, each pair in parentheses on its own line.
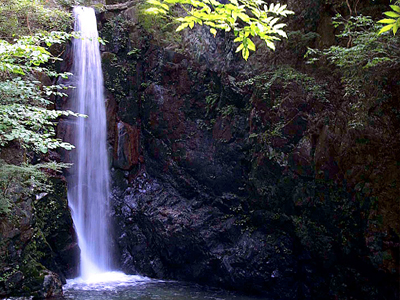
(246,19)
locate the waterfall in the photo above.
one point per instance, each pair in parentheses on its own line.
(88,184)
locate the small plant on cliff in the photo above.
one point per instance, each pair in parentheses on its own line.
(247,19)
(363,59)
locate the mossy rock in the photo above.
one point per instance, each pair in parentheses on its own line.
(58,240)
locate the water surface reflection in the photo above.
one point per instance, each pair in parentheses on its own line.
(130,287)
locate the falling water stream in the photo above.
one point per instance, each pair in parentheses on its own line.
(89,186)
(88,191)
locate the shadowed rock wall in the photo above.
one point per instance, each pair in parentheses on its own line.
(38,245)
(246,175)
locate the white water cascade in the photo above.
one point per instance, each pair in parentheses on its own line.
(88,186)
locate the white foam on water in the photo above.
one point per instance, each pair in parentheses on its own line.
(106,281)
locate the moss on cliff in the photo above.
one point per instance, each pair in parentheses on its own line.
(35,238)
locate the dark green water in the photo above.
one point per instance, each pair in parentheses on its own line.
(141,288)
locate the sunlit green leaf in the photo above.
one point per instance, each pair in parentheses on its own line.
(392,14)
(395,27)
(251,45)
(387,21)
(182,26)
(256,18)
(270,44)
(245,53)
(395,8)
(386,28)
(239,48)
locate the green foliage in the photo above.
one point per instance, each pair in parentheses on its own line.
(32,126)
(26,180)
(352,27)
(247,19)
(298,41)
(134,53)
(24,116)
(367,49)
(362,59)
(23,17)
(227,110)
(211,102)
(27,53)
(160,27)
(115,32)
(277,103)
(19,91)
(284,76)
(393,22)
(72,3)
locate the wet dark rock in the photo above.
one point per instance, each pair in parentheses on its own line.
(225,173)
(38,245)
(14,282)
(163,235)
(52,286)
(126,153)
(54,220)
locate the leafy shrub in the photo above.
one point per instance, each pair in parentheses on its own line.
(25,116)
(24,17)
(20,182)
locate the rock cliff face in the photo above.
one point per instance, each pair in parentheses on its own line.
(231,174)
(246,175)
(37,245)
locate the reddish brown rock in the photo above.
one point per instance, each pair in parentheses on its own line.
(126,147)
(111,112)
(222,130)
